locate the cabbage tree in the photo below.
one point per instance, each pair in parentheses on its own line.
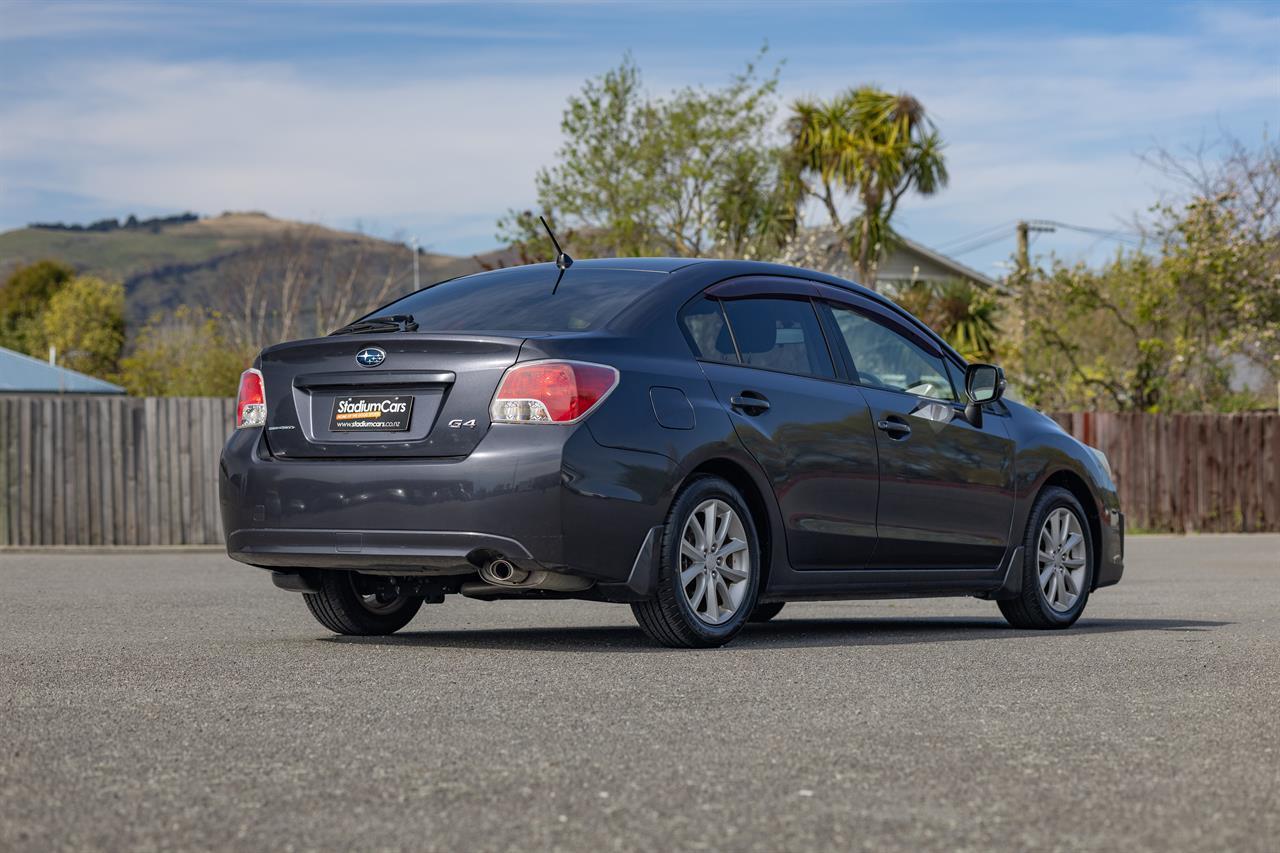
(872,147)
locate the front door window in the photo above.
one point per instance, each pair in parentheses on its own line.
(884,359)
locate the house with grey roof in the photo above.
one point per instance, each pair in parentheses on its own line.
(906,262)
(22,374)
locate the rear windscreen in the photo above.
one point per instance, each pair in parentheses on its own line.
(520,299)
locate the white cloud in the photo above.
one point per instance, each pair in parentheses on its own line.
(1052,127)
(1039,125)
(217,136)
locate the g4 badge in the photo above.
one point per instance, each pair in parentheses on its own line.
(458,423)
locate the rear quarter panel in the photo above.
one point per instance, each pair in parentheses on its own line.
(646,460)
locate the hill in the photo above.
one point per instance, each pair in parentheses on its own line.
(191,262)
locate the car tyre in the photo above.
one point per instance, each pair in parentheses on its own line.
(361,605)
(1056,520)
(765,612)
(687,612)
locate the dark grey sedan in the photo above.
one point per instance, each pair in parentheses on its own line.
(704,440)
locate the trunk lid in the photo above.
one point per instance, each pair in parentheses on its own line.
(427,396)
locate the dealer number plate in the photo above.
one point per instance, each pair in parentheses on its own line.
(365,414)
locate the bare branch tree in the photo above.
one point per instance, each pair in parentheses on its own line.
(307,281)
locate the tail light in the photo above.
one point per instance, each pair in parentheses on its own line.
(551,392)
(251,403)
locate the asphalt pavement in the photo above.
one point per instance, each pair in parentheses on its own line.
(179,701)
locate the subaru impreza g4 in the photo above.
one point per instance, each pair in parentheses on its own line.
(703,440)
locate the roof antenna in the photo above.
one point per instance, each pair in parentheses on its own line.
(563,261)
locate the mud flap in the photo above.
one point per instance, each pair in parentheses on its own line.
(1011,586)
(642,583)
(304,582)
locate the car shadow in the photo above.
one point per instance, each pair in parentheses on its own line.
(780,634)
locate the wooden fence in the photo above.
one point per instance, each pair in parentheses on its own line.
(1190,473)
(81,470)
(143,471)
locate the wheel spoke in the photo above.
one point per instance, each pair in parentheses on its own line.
(733,573)
(1052,594)
(1046,540)
(1073,562)
(699,538)
(722,593)
(731,548)
(1069,583)
(709,526)
(687,576)
(722,530)
(1045,574)
(699,590)
(713,606)
(1073,540)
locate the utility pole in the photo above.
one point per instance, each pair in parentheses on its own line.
(1024,251)
(1024,242)
(1024,262)
(414,244)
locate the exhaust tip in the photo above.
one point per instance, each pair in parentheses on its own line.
(501,570)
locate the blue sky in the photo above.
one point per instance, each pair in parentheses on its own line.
(430,119)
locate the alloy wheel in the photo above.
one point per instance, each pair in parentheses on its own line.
(1061,558)
(715,562)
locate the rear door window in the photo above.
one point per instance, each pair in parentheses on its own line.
(779,334)
(708,333)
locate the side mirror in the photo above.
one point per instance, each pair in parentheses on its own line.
(984,383)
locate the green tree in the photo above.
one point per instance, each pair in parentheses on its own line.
(183,354)
(1098,338)
(964,314)
(1163,328)
(1221,251)
(24,295)
(875,146)
(687,174)
(84,321)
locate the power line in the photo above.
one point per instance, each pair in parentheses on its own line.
(990,235)
(976,235)
(1119,235)
(976,245)
(994,234)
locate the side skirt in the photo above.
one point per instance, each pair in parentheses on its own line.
(1005,581)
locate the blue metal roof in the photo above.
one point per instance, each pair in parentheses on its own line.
(22,374)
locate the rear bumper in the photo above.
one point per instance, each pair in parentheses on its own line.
(435,551)
(544,497)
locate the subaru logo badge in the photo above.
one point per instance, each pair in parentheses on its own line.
(371,356)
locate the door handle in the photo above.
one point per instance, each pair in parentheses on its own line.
(896,428)
(750,403)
